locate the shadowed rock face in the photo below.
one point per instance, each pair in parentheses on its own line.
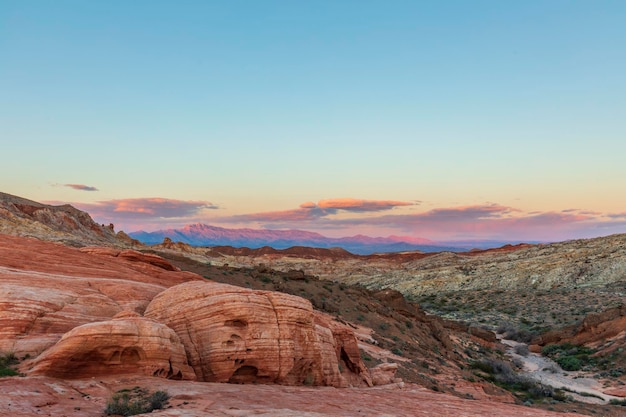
(232,334)
(128,344)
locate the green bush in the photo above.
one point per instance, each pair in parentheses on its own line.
(618,402)
(136,401)
(7,361)
(569,357)
(569,363)
(397,351)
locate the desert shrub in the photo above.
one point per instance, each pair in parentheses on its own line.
(569,363)
(618,402)
(503,375)
(158,400)
(569,357)
(522,350)
(550,350)
(136,401)
(265,279)
(509,331)
(7,361)
(397,351)
(505,327)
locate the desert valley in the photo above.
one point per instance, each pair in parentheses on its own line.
(92,319)
(312,208)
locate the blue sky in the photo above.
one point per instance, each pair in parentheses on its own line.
(245,113)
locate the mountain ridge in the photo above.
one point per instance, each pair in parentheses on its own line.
(64,223)
(199,234)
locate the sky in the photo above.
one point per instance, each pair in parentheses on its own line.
(444,120)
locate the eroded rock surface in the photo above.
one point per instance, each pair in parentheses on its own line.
(237,335)
(128,344)
(49,289)
(78,313)
(87,398)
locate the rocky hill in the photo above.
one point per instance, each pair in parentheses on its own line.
(66,224)
(573,264)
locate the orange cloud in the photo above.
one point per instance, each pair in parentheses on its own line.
(491,221)
(145,208)
(309,211)
(352,204)
(487,221)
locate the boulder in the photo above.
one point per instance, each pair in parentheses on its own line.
(384,373)
(238,335)
(128,344)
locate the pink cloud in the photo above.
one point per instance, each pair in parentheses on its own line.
(145,208)
(309,211)
(487,221)
(79,187)
(352,204)
(374,217)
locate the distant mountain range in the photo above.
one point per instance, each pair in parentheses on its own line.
(205,235)
(64,223)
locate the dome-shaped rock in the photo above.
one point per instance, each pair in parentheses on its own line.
(129,344)
(234,334)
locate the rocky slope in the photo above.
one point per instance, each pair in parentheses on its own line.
(66,224)
(574,264)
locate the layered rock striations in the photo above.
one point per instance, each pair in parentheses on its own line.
(49,289)
(127,344)
(232,334)
(99,311)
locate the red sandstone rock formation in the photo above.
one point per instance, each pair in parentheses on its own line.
(62,307)
(48,289)
(132,255)
(595,330)
(237,335)
(128,344)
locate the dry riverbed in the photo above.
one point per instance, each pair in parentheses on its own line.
(544,370)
